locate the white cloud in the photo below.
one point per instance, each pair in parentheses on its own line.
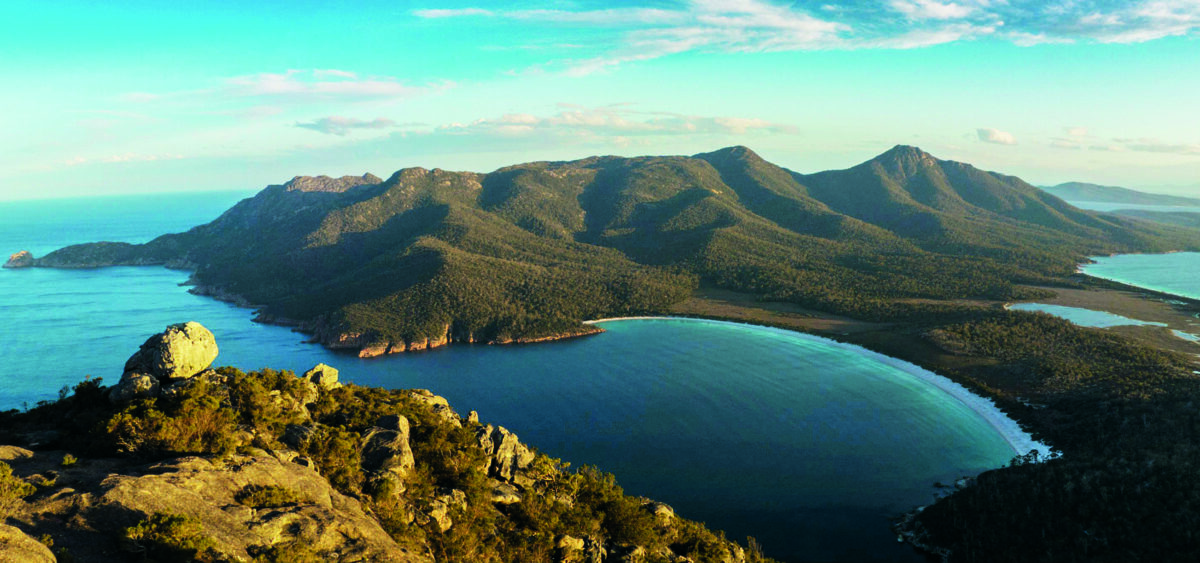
(640,34)
(930,9)
(1076,131)
(996,136)
(611,122)
(338,125)
(301,85)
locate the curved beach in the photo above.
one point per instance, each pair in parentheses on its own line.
(1019,440)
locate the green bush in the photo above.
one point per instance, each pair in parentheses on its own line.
(167,537)
(12,490)
(266,496)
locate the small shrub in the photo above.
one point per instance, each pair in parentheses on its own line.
(12,490)
(69,460)
(266,496)
(167,537)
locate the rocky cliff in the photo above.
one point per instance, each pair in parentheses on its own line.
(221,465)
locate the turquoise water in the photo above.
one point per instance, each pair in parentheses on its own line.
(1083,317)
(1108,207)
(1177,273)
(808,445)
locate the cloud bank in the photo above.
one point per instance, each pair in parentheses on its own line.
(625,35)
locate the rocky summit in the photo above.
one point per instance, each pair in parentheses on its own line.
(222,465)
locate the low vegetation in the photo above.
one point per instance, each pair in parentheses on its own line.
(235,411)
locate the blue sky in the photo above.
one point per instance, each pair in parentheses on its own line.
(160,96)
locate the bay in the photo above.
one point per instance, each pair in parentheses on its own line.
(1177,273)
(809,445)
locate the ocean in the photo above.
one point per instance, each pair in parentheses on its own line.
(808,445)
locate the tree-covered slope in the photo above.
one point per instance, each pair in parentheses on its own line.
(527,252)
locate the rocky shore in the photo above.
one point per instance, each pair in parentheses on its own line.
(178,461)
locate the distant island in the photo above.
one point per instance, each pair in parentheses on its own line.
(905,254)
(1082,191)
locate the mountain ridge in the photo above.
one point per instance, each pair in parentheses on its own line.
(527,252)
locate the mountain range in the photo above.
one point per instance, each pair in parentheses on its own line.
(527,252)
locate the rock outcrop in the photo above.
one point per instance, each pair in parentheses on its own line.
(180,352)
(506,454)
(17,547)
(22,259)
(323,376)
(386,449)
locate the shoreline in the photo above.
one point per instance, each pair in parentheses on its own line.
(1009,429)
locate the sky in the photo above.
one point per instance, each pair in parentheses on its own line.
(146,96)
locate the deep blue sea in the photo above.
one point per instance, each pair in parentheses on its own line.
(808,445)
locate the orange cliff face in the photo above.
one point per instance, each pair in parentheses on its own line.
(22,259)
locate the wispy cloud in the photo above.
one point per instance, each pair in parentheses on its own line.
(996,136)
(338,125)
(625,35)
(611,122)
(295,86)
(320,84)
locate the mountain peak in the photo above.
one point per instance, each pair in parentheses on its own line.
(905,153)
(327,184)
(736,153)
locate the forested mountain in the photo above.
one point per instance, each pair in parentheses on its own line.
(1081,191)
(528,251)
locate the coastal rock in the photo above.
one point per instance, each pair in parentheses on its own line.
(179,352)
(133,386)
(17,547)
(22,259)
(325,377)
(659,510)
(385,447)
(508,455)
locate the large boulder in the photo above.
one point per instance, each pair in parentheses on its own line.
(180,352)
(323,376)
(22,259)
(385,447)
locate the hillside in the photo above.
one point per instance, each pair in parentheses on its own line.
(1081,191)
(527,252)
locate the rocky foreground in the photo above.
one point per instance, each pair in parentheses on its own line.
(180,462)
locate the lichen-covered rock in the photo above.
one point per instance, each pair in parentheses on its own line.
(22,259)
(385,447)
(325,377)
(504,493)
(17,547)
(179,352)
(439,509)
(508,455)
(12,453)
(322,520)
